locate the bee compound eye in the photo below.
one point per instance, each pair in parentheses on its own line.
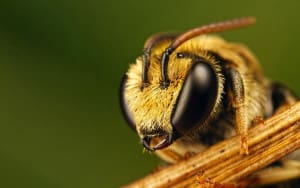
(196,99)
(124,106)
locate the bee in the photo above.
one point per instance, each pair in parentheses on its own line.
(192,90)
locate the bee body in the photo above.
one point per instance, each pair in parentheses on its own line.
(153,105)
(188,92)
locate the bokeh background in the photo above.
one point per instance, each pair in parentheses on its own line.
(60,67)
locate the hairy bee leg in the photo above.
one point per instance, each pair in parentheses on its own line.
(237,90)
(289,169)
(282,97)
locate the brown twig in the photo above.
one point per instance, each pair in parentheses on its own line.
(268,142)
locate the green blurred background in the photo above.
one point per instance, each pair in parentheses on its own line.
(60,66)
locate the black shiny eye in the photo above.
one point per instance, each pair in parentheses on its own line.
(124,106)
(197,97)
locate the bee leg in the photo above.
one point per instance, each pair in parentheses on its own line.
(282,97)
(287,171)
(236,94)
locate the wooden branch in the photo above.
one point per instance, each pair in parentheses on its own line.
(222,163)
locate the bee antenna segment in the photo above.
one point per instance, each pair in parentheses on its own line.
(148,46)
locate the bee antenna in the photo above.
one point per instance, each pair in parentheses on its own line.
(149,44)
(210,28)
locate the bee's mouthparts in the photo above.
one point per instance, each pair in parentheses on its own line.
(157,142)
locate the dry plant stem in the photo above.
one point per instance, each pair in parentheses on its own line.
(241,166)
(260,158)
(268,142)
(238,159)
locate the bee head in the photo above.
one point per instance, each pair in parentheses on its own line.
(159,114)
(163,104)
